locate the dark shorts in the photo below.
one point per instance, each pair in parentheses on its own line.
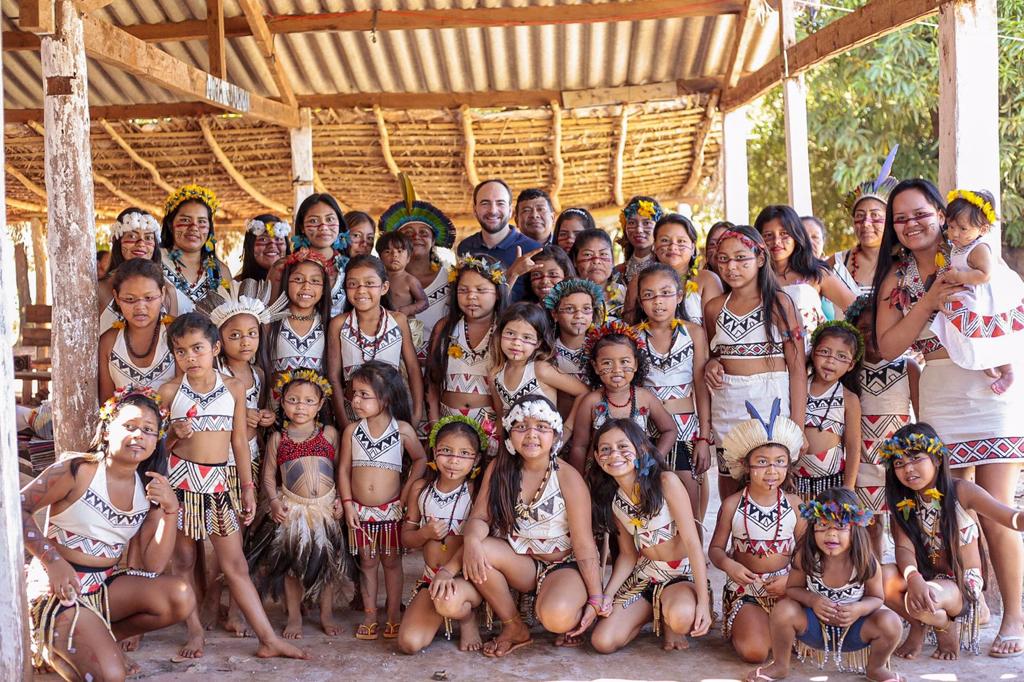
(812,636)
(682,456)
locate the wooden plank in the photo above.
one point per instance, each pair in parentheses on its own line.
(91,5)
(41,270)
(134,156)
(38,314)
(216,54)
(736,186)
(114,47)
(69,188)
(969,101)
(265,41)
(621,131)
(699,146)
(303,173)
(746,21)
(235,175)
(151,110)
(557,162)
(869,22)
(36,336)
(794,109)
(36,16)
(21,275)
(25,182)
(124,196)
(469,150)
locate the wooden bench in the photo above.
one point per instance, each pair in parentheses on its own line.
(36,335)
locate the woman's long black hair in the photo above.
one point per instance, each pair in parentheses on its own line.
(116,254)
(861,555)
(767,283)
(157,462)
(648,477)
(507,478)
(896,492)
(687,224)
(891,252)
(802,261)
(250,268)
(651,270)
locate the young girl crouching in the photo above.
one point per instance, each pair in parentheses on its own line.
(833,603)
(762,524)
(660,572)
(435,524)
(937,579)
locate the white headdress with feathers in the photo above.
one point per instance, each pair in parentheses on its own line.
(142,222)
(247,297)
(756,432)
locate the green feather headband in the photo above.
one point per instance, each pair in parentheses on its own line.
(833,512)
(840,324)
(481,432)
(895,448)
(573,286)
(860,305)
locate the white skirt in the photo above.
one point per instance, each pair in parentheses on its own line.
(978,426)
(728,404)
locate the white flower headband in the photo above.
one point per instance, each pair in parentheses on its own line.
(278,230)
(140,222)
(535,409)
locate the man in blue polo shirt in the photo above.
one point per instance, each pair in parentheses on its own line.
(492,205)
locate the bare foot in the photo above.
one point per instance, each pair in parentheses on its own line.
(193,647)
(948,641)
(209,610)
(469,634)
(330,626)
(911,647)
(131,668)
(293,629)
(673,641)
(235,624)
(280,648)
(131,643)
(769,671)
(568,641)
(513,636)
(1003,383)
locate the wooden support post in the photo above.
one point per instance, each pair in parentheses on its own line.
(72,232)
(794,102)
(36,16)
(969,100)
(622,130)
(39,261)
(21,276)
(253,11)
(215,38)
(303,175)
(469,151)
(557,163)
(734,161)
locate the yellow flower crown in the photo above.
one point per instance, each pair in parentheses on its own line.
(493,271)
(305,375)
(974,199)
(191,193)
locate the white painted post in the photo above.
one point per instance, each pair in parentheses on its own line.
(302,158)
(735,128)
(71,237)
(969,99)
(13,606)
(39,261)
(794,101)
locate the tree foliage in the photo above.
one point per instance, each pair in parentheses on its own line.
(861,103)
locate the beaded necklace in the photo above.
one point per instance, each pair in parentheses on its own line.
(523,509)
(353,324)
(778,519)
(451,518)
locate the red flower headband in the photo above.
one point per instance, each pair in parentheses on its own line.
(595,334)
(304,255)
(743,239)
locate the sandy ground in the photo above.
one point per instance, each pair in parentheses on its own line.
(343,657)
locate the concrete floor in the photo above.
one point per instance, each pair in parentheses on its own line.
(709,659)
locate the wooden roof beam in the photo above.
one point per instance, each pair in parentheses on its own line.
(622,130)
(229,168)
(134,156)
(868,23)
(215,48)
(115,47)
(557,163)
(469,152)
(699,147)
(265,40)
(745,23)
(385,142)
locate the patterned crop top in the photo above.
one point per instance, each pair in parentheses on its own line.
(93,525)
(124,371)
(384,452)
(849,593)
(929,519)
(764,531)
(300,352)
(213,411)
(317,446)
(452,507)
(657,530)
(826,412)
(528,385)
(468,367)
(358,348)
(570,361)
(739,337)
(545,530)
(670,375)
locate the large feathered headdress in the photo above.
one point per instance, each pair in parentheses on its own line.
(879,188)
(247,297)
(409,210)
(756,432)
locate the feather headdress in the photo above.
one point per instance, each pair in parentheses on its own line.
(247,297)
(756,432)
(409,210)
(879,188)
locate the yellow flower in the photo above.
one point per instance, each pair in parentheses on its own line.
(940,260)
(645,209)
(117,324)
(497,275)
(453,275)
(906,506)
(932,494)
(637,523)
(643,326)
(676,323)
(436,267)
(455,351)
(166,319)
(691,287)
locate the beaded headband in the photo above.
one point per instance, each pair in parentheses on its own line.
(493,271)
(113,403)
(573,286)
(595,334)
(134,222)
(308,255)
(857,308)
(645,208)
(897,448)
(833,512)
(975,200)
(309,375)
(840,324)
(743,239)
(481,431)
(191,193)
(274,230)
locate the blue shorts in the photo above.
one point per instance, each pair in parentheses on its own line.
(812,635)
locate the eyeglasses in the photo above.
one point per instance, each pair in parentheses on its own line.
(353,286)
(655,295)
(149,238)
(572,310)
(542,429)
(606,452)
(132,300)
(295,402)
(508,335)
(825,526)
(300,281)
(912,458)
(146,431)
(723,259)
(317,221)
(363,395)
(825,353)
(916,218)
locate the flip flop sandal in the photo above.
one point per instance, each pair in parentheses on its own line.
(493,652)
(1008,654)
(391,630)
(758,675)
(367,632)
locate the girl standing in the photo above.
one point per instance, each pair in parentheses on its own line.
(866,204)
(320,227)
(937,580)
(677,351)
(372,492)
(575,305)
(435,524)
(592,255)
(361,233)
(134,350)
(832,420)
(369,332)
(297,341)
(637,221)
(660,571)
(618,364)
(757,342)
(96,503)
(189,254)
(265,243)
(459,377)
(833,603)
(761,523)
